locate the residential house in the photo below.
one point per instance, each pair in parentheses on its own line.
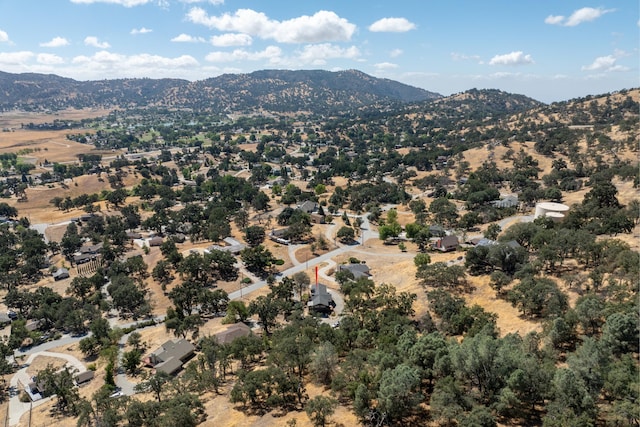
(61,273)
(87,253)
(510,201)
(321,300)
(437,230)
(133,235)
(482,241)
(35,389)
(441,162)
(234,331)
(447,244)
(231,245)
(86,217)
(278,236)
(170,356)
(358,270)
(33,325)
(308,207)
(155,241)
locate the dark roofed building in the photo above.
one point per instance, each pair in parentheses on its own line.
(321,300)
(61,273)
(132,235)
(447,244)
(232,332)
(437,230)
(83,377)
(170,366)
(358,270)
(308,206)
(170,356)
(91,249)
(87,252)
(155,241)
(510,201)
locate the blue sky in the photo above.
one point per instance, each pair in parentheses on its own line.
(548,50)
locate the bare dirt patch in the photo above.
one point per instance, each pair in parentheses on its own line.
(40,363)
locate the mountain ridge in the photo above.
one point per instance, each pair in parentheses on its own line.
(316,91)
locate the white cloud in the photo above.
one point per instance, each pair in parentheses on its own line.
(147,60)
(186,38)
(318,54)
(554,20)
(586,14)
(231,39)
(605,64)
(142,30)
(93,41)
(141,65)
(321,27)
(392,25)
(513,58)
(15,58)
(395,53)
(49,59)
(125,3)
(55,42)
(4,37)
(271,53)
(385,66)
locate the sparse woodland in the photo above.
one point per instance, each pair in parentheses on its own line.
(443,163)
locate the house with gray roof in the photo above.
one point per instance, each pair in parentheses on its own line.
(234,331)
(61,273)
(170,356)
(308,207)
(510,201)
(231,245)
(321,300)
(358,270)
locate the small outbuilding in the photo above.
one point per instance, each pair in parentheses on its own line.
(61,273)
(155,241)
(83,378)
(447,244)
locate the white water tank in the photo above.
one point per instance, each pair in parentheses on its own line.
(555,211)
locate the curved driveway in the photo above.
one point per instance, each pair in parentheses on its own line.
(17,408)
